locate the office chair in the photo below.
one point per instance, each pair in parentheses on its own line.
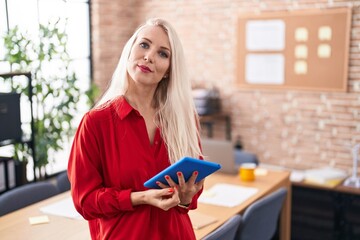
(260,219)
(242,156)
(25,195)
(226,231)
(62,182)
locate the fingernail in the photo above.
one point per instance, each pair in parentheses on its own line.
(167,177)
(196,173)
(157,182)
(171,190)
(179,174)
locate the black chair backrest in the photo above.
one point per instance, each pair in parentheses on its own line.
(25,195)
(260,219)
(226,231)
(62,182)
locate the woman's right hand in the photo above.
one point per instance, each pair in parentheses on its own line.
(162,198)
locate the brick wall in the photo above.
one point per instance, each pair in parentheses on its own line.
(295,129)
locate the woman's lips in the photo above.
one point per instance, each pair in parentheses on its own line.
(144,68)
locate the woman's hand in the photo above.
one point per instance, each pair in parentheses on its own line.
(162,198)
(186,190)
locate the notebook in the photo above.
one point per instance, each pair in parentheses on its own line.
(222,152)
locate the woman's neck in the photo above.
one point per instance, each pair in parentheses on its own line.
(140,96)
(141,101)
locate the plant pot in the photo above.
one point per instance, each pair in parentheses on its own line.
(20,173)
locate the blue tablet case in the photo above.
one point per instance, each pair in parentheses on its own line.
(187,166)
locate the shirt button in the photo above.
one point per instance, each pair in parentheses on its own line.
(156,142)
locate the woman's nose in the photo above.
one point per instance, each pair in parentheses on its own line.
(148,57)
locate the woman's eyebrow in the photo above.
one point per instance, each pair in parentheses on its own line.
(144,38)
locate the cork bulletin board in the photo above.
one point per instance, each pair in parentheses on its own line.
(301,50)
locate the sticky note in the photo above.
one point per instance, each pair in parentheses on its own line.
(39,220)
(325,33)
(301,34)
(261,172)
(300,67)
(301,51)
(324,51)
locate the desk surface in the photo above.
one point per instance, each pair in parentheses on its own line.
(16,225)
(339,188)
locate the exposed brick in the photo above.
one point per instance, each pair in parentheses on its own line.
(294,129)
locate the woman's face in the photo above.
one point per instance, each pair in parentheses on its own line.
(149,59)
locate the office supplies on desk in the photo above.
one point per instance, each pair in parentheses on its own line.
(297,176)
(247,172)
(227,195)
(39,220)
(64,208)
(326,176)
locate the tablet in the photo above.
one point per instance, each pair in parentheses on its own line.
(187,166)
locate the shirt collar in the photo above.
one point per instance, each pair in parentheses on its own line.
(122,107)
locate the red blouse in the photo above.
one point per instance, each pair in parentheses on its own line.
(112,156)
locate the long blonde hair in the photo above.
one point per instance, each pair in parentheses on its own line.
(176,114)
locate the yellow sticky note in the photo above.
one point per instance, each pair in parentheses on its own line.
(301,34)
(325,33)
(300,67)
(39,220)
(301,51)
(324,51)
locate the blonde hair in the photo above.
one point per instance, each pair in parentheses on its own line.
(176,114)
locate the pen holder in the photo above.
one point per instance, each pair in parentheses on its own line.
(247,172)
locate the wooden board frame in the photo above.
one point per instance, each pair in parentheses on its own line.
(323,74)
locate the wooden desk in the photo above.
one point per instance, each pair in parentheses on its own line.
(16,225)
(266,184)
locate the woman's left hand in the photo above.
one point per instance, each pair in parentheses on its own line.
(186,190)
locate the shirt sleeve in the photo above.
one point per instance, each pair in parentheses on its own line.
(90,197)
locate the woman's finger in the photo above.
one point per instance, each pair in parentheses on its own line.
(181,179)
(161,185)
(193,177)
(170,181)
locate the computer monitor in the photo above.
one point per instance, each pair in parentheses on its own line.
(10,122)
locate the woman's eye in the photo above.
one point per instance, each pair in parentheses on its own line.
(144,45)
(163,54)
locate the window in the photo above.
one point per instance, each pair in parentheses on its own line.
(27,15)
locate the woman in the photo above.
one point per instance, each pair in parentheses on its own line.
(145,121)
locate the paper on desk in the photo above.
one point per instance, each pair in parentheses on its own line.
(64,208)
(39,220)
(227,195)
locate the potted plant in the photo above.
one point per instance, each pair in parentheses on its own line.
(55,90)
